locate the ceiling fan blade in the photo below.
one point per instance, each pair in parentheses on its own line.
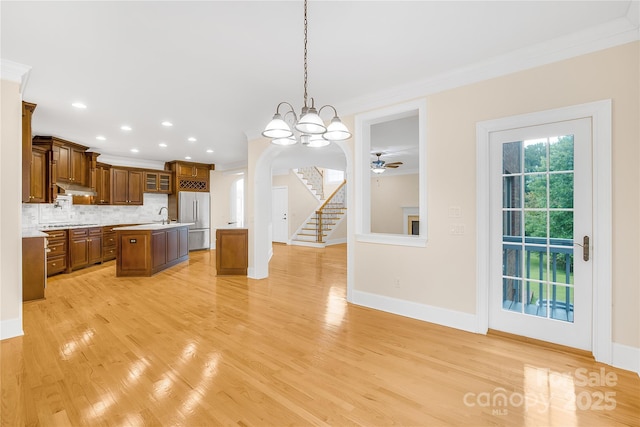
(391,166)
(396,164)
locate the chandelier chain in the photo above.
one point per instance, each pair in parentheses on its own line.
(305,53)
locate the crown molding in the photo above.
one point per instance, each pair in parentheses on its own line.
(613,33)
(15,72)
(610,34)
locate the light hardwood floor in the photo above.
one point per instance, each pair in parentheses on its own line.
(188,348)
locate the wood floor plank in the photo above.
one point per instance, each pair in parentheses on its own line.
(186,347)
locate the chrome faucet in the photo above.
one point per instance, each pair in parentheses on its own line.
(160,213)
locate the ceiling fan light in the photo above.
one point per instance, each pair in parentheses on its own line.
(377,169)
(337,131)
(289,140)
(277,128)
(311,123)
(317,141)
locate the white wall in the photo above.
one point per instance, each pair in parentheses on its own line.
(431,277)
(389,194)
(301,201)
(10,201)
(438,282)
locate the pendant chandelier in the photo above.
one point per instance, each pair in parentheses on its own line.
(309,129)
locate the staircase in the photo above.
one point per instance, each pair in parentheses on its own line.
(312,177)
(320,224)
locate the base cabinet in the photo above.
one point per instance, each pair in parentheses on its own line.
(108,243)
(85,247)
(33,268)
(232,251)
(146,252)
(57,255)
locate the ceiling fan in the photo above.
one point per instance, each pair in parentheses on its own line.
(379,166)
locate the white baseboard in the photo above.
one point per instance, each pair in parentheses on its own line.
(626,357)
(441,316)
(11,328)
(336,241)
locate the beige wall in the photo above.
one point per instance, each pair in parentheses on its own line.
(389,194)
(301,201)
(220,192)
(432,275)
(10,210)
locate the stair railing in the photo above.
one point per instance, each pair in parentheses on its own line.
(338,194)
(315,178)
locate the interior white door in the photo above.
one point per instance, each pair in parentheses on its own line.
(540,229)
(279,214)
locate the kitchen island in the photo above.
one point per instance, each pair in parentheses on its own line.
(144,250)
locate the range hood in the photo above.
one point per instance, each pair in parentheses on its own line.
(75,189)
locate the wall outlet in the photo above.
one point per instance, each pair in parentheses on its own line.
(456,229)
(396,283)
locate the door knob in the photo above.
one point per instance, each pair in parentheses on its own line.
(585,247)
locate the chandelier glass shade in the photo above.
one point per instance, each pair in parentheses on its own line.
(309,128)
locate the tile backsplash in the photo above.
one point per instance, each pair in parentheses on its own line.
(64,211)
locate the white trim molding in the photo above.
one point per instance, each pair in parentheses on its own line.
(11,328)
(441,316)
(607,35)
(600,113)
(626,357)
(15,72)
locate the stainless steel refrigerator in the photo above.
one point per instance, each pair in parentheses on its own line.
(194,207)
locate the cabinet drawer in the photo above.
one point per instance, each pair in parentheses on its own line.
(54,235)
(56,265)
(109,240)
(56,248)
(108,253)
(95,231)
(79,232)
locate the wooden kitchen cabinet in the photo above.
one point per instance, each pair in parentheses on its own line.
(190,176)
(126,186)
(232,251)
(103,184)
(193,170)
(57,255)
(39,165)
(71,164)
(108,243)
(67,163)
(85,247)
(33,268)
(157,182)
(147,249)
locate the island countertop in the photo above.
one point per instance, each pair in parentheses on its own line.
(146,249)
(153,226)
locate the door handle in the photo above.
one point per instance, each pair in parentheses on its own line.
(586,247)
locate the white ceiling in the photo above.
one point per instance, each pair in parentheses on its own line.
(217,69)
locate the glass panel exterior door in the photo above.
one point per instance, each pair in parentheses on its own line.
(541,211)
(537,212)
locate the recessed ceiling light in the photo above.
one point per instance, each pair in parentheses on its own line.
(191,139)
(125,127)
(134,150)
(209,151)
(79,105)
(187,157)
(162,144)
(101,138)
(167,124)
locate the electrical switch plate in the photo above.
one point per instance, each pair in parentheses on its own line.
(455,212)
